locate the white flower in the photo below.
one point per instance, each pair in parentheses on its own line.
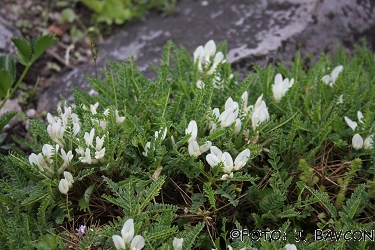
(66,115)
(212,160)
(127,231)
(360,116)
(331,79)
(258,101)
(193,130)
(147,148)
(227,118)
(137,243)
(76,128)
(159,132)
(38,160)
(93,108)
(89,137)
(228,163)
(237,127)
(100,154)
(260,114)
(216,151)
(56,132)
(119,119)
(118,241)
(177,243)
(231,104)
(47,151)
(200,84)
(206,146)
(280,87)
(209,50)
(290,247)
(219,58)
(69,178)
(64,186)
(340,100)
(244,98)
(67,157)
(199,55)
(241,159)
(51,120)
(357,142)
(99,143)
(106,112)
(193,149)
(87,157)
(368,143)
(227,176)
(351,123)
(102,124)
(80,151)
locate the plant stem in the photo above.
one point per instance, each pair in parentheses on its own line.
(17,85)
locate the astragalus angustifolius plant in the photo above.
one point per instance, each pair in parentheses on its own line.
(197,160)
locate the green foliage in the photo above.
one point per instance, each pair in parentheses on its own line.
(27,53)
(191,155)
(121,11)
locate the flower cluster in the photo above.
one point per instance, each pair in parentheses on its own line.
(44,160)
(103,123)
(357,140)
(228,117)
(86,153)
(58,125)
(193,147)
(127,237)
(202,56)
(217,156)
(66,183)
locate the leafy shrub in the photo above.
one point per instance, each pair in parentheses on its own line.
(185,156)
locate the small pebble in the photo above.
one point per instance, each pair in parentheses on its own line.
(204,3)
(30,113)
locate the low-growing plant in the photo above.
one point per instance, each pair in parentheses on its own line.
(184,162)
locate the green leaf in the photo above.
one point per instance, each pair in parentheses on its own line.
(24,50)
(67,16)
(94,5)
(6,82)
(7,62)
(85,200)
(209,193)
(2,137)
(42,44)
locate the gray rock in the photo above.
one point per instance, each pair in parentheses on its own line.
(7,31)
(258,32)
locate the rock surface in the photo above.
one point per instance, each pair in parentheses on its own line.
(261,32)
(7,31)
